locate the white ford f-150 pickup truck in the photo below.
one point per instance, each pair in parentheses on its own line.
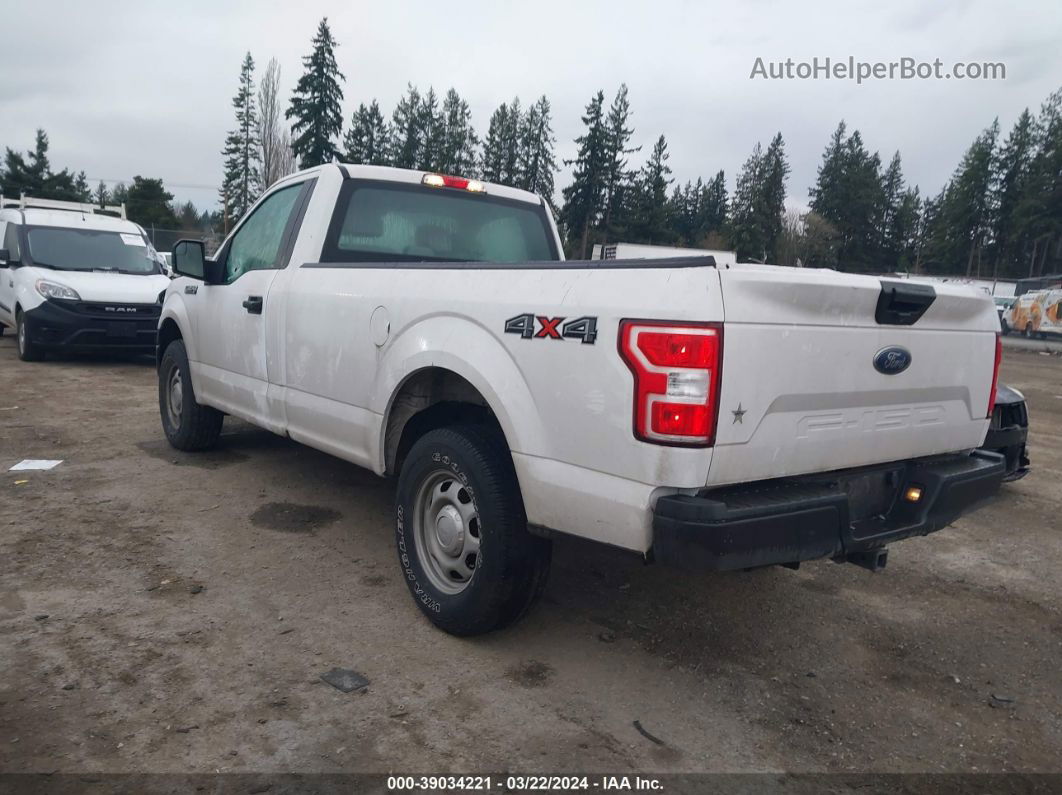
(428,327)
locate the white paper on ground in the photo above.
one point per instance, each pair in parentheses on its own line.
(35,463)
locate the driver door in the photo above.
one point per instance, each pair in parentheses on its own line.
(232,317)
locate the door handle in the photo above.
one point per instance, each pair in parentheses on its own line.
(253,304)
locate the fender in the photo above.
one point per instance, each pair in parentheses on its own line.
(443,341)
(176,309)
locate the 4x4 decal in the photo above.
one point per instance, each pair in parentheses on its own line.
(583,329)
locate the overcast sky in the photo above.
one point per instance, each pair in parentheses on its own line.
(146,88)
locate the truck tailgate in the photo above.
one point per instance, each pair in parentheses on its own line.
(800,390)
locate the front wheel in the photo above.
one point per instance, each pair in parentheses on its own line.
(463,545)
(28,351)
(188,425)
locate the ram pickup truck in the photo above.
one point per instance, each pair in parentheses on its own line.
(427,327)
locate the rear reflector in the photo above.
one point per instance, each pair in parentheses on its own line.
(995,376)
(676,369)
(444,181)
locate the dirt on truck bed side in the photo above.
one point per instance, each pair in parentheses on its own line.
(171,612)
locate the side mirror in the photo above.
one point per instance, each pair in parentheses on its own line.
(189,259)
(5,258)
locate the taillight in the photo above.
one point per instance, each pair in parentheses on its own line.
(676,370)
(995,376)
(445,181)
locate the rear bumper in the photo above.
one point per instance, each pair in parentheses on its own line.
(81,327)
(837,515)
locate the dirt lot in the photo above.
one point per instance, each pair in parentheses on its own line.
(171,612)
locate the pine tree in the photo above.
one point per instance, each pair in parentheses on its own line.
(407,135)
(848,196)
(538,164)
(759,202)
(967,208)
(511,133)
(242,182)
(1039,214)
(368,140)
(432,125)
(28,174)
(649,221)
(315,105)
(459,142)
(890,233)
(772,193)
(618,136)
(501,156)
(148,203)
(713,211)
(1011,178)
(493,156)
(583,196)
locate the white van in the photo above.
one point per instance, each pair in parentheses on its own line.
(76,277)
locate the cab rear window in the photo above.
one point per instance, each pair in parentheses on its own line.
(388,222)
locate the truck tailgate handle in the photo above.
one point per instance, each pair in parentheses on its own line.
(253,304)
(902,303)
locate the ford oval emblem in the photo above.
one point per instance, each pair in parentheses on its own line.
(892,360)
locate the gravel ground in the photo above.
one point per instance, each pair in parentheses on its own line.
(168,612)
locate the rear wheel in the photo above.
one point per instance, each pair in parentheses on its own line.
(463,545)
(188,425)
(28,351)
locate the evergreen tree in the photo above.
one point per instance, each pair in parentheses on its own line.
(584,195)
(501,157)
(369,138)
(538,164)
(759,202)
(28,174)
(1010,183)
(683,209)
(967,208)
(890,232)
(432,125)
(712,210)
(407,135)
(771,206)
(1039,214)
(148,203)
(649,222)
(493,157)
(848,196)
(459,142)
(315,105)
(242,182)
(617,177)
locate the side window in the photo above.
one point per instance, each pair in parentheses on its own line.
(256,245)
(11,242)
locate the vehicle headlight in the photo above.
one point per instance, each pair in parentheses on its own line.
(52,290)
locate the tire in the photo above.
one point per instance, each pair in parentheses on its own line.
(28,351)
(1004,327)
(188,425)
(478,511)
